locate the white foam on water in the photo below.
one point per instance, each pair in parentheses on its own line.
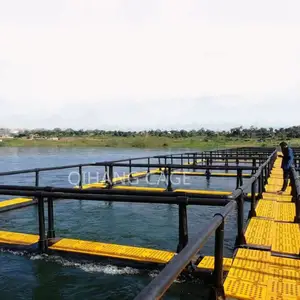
(86,266)
(153,273)
(18,253)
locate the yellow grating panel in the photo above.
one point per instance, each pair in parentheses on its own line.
(275,181)
(286,263)
(14,201)
(254,260)
(124,178)
(205,192)
(285,212)
(278,273)
(139,188)
(286,238)
(99,185)
(275,188)
(256,274)
(283,288)
(188,173)
(112,250)
(213,174)
(208,263)
(18,238)
(266,209)
(139,174)
(259,232)
(253,276)
(257,255)
(275,197)
(277,297)
(243,289)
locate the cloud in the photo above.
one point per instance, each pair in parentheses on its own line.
(143,64)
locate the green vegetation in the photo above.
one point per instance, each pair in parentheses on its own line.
(146,142)
(204,139)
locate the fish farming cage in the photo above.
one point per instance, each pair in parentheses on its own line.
(254,162)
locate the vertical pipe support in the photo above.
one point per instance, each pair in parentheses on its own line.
(169,187)
(183,226)
(80,176)
(42,236)
(51,232)
(110,175)
(297,217)
(148,170)
(240,239)
(241,178)
(37,178)
(218,264)
(238,178)
(253,165)
(252,212)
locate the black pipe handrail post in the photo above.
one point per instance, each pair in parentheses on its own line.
(252,212)
(169,174)
(37,178)
(265,175)
(218,264)
(110,176)
(238,178)
(159,285)
(51,232)
(262,180)
(130,167)
(80,176)
(182,226)
(295,182)
(194,159)
(240,239)
(253,164)
(148,170)
(260,186)
(41,215)
(241,177)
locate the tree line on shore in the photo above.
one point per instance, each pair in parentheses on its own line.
(237,132)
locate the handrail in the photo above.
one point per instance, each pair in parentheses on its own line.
(179,166)
(116,162)
(157,287)
(166,277)
(296,193)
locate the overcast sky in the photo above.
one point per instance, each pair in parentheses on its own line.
(138,64)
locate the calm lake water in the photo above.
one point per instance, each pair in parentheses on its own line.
(24,276)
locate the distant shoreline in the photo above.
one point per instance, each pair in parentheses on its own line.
(144,142)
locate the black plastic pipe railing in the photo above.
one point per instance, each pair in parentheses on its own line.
(295,180)
(158,286)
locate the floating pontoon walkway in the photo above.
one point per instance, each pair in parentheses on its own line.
(15,203)
(273,270)
(136,254)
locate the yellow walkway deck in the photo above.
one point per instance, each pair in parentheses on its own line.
(213,174)
(16,238)
(14,203)
(106,250)
(257,274)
